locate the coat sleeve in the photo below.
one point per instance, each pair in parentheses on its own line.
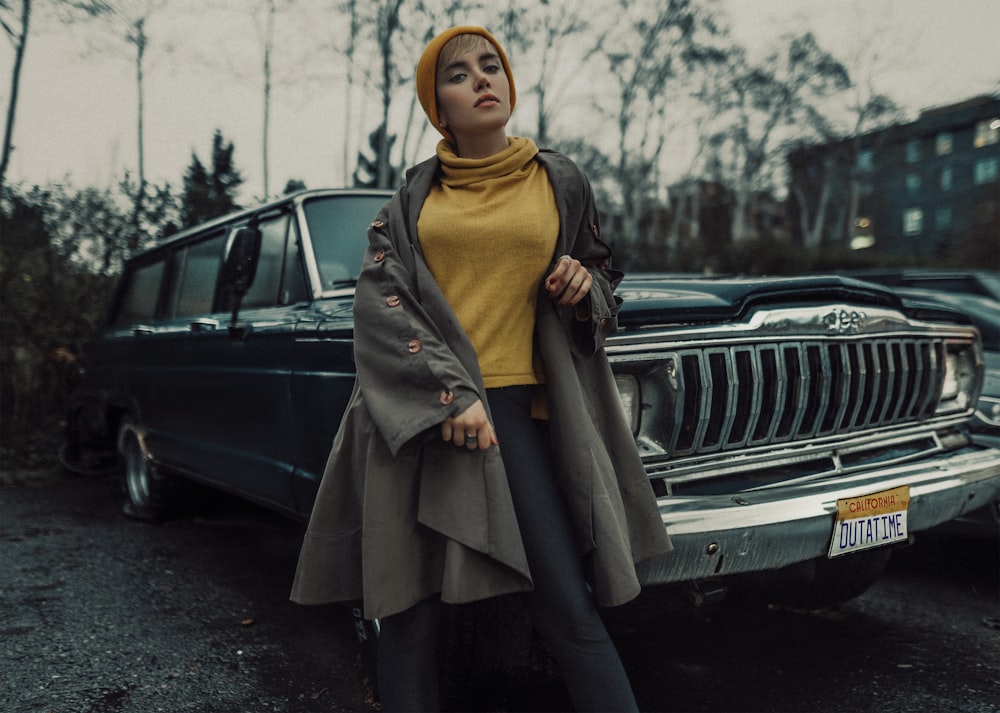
(596,317)
(410,377)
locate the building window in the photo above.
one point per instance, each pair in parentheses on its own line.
(987,133)
(913,221)
(864,236)
(985,170)
(985,212)
(946,177)
(912,182)
(866,160)
(943,143)
(942,218)
(912,151)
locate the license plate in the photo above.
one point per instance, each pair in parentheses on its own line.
(870,521)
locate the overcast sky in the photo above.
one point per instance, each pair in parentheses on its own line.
(76,114)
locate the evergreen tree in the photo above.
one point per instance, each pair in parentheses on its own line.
(366,174)
(209,195)
(294,185)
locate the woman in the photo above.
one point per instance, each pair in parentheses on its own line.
(484,450)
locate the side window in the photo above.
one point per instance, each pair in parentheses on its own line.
(266,283)
(138,300)
(196,270)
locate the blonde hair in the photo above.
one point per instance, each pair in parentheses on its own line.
(460,44)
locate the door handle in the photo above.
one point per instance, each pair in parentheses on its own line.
(204,325)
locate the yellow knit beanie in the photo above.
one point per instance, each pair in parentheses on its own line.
(427,73)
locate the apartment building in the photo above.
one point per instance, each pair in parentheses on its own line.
(927,191)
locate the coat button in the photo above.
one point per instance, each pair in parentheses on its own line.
(414,346)
(377,224)
(447,397)
(380,256)
(392,300)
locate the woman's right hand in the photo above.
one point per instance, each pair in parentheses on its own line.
(470,429)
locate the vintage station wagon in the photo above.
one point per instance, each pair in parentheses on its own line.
(798,427)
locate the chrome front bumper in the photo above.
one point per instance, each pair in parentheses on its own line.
(720,535)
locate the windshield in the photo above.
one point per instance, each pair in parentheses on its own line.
(338,228)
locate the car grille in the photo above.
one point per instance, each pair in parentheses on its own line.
(741,396)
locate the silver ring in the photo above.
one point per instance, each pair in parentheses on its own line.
(471,438)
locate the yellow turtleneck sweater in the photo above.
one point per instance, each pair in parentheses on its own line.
(488,231)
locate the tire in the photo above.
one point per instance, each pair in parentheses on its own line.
(148,490)
(822,583)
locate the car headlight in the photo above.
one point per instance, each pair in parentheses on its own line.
(628,390)
(961,379)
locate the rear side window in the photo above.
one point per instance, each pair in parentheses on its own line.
(196,269)
(139,297)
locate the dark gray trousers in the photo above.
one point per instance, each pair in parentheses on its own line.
(563,609)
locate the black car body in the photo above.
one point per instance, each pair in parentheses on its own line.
(769,413)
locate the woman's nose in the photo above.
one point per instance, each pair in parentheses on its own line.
(482,80)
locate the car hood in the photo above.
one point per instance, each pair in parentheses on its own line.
(657,298)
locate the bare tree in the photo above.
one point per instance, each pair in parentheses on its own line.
(561,35)
(867,109)
(650,47)
(387,24)
(127,22)
(16,23)
(15,26)
(768,106)
(354,27)
(266,35)
(270,56)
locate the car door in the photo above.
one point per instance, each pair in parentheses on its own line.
(223,406)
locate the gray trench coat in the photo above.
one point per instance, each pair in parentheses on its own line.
(400,515)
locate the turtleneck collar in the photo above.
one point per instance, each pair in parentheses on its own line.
(457,171)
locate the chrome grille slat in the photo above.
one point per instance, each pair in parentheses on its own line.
(732,397)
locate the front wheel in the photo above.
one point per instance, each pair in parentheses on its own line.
(148,490)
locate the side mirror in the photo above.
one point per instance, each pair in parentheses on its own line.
(240,268)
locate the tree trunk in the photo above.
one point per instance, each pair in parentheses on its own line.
(265,141)
(140,51)
(388,23)
(852,209)
(15,82)
(812,231)
(352,9)
(741,204)
(804,219)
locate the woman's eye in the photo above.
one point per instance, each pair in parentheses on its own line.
(456,78)
(491,68)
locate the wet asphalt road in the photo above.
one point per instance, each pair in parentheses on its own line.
(103,614)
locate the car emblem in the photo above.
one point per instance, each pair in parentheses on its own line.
(845,321)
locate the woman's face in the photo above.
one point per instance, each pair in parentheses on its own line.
(473,93)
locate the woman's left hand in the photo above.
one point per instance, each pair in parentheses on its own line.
(569,282)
